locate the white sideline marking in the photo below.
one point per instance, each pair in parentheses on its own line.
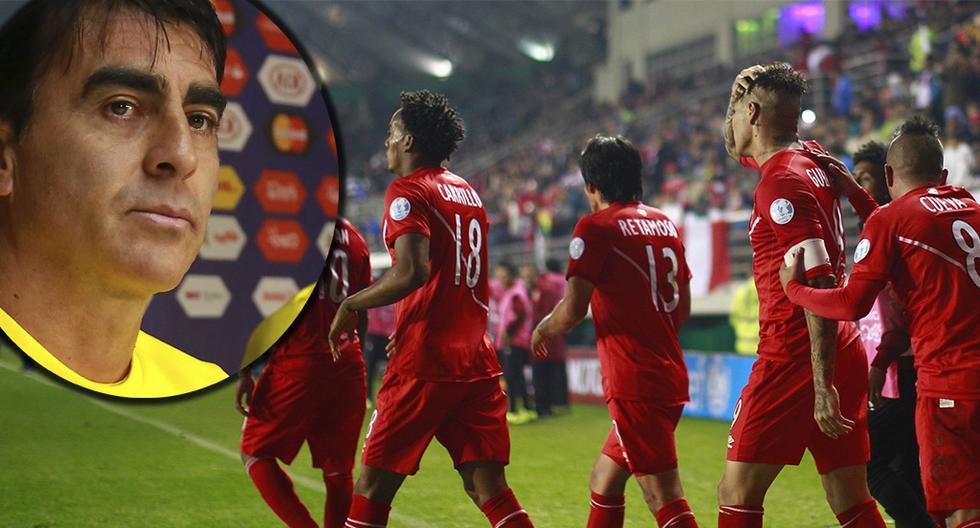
(306,482)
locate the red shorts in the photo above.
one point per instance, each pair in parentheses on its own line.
(773,422)
(468,418)
(948,432)
(322,407)
(642,436)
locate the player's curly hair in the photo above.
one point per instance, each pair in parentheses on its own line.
(436,126)
(917,126)
(873,152)
(780,78)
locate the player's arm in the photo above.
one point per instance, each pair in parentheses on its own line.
(861,201)
(847,303)
(246,384)
(823,357)
(683,312)
(409,273)
(569,312)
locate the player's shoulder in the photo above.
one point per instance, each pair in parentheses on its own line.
(653,213)
(593,221)
(351,236)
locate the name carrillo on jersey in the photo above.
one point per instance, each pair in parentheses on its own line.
(459,195)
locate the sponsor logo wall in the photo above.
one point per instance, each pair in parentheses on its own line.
(715,381)
(278,186)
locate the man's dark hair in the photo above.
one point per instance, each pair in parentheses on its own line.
(612,165)
(780,78)
(553,265)
(436,126)
(873,152)
(44,29)
(916,148)
(509,267)
(917,126)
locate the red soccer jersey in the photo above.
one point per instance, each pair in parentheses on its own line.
(441,328)
(795,204)
(633,256)
(347,271)
(927,244)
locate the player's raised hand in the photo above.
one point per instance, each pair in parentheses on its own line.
(390,346)
(244,391)
(876,382)
(826,412)
(343,323)
(793,271)
(843,179)
(538,345)
(745,79)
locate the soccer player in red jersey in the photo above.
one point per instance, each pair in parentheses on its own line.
(926,243)
(627,262)
(442,375)
(808,389)
(304,394)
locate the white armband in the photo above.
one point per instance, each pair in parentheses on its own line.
(815,253)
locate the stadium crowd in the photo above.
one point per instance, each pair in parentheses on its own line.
(926,62)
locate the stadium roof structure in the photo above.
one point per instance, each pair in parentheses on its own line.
(366,42)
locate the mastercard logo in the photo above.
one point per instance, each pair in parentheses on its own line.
(290,133)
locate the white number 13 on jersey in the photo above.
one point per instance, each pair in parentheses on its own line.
(475,237)
(671,278)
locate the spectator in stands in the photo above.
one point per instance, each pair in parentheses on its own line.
(958,158)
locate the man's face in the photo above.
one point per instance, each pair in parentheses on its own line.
(116,170)
(503,276)
(396,133)
(864,173)
(529,275)
(742,126)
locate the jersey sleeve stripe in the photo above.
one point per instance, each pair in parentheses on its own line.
(643,273)
(932,250)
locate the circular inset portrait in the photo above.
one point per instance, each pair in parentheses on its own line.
(169,179)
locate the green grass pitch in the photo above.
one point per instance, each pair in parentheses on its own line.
(70,460)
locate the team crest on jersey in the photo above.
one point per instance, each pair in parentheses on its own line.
(576,248)
(781,211)
(862,249)
(399,209)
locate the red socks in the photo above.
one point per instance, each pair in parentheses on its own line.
(740,516)
(276,489)
(606,512)
(340,487)
(503,511)
(972,523)
(864,515)
(676,514)
(365,513)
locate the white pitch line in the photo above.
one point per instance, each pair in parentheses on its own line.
(306,482)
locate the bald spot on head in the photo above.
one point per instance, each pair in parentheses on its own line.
(916,157)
